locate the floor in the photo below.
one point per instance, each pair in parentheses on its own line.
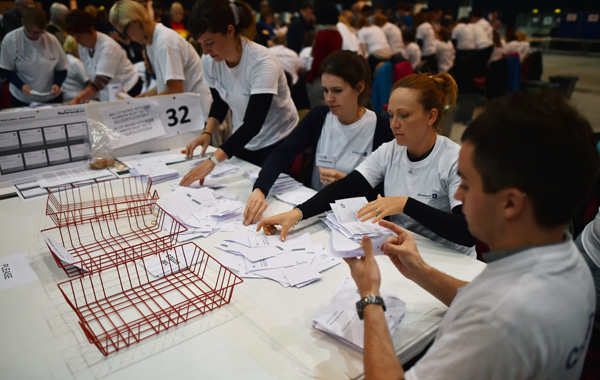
(586,96)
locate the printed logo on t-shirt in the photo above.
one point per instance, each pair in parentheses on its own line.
(364,154)
(428,196)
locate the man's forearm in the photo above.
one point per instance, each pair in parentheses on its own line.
(380,357)
(439,284)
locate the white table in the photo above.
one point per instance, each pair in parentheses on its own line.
(264,333)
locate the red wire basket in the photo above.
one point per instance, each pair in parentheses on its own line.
(107,241)
(79,202)
(127,304)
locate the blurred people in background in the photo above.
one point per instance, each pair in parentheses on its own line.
(76,77)
(477,19)
(301,23)
(349,36)
(392,33)
(412,51)
(58,12)
(33,61)
(11,19)
(444,53)
(373,43)
(287,57)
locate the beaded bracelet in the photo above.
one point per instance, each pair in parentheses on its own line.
(301,215)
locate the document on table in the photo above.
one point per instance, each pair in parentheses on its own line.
(67,176)
(172,261)
(339,319)
(16,270)
(61,252)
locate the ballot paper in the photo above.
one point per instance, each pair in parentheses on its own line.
(296,196)
(342,246)
(283,183)
(172,261)
(339,319)
(61,252)
(296,262)
(220,170)
(39,93)
(155,168)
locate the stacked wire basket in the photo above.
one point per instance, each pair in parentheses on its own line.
(130,280)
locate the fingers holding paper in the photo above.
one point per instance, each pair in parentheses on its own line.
(381,207)
(402,250)
(286,220)
(364,270)
(255,207)
(329,176)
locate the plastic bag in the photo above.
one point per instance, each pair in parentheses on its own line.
(101,151)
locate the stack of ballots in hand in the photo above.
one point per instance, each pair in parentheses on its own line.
(339,319)
(201,211)
(347,230)
(285,188)
(296,262)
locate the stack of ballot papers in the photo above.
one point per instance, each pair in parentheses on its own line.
(339,319)
(213,179)
(285,188)
(153,165)
(296,262)
(347,230)
(201,211)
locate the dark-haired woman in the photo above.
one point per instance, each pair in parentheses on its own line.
(104,60)
(418,170)
(33,62)
(342,133)
(242,76)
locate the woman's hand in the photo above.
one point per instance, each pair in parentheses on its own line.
(55,89)
(198,173)
(203,140)
(382,207)
(76,100)
(286,220)
(26,89)
(255,207)
(329,176)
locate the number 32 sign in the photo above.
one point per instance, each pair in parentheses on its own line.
(181,113)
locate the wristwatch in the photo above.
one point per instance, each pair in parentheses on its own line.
(213,159)
(371,298)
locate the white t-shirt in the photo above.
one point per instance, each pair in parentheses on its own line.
(258,72)
(590,239)
(486,26)
(526,316)
(173,58)
(349,38)
(463,34)
(306,57)
(412,53)
(148,83)
(520,47)
(288,59)
(426,33)
(76,79)
(394,37)
(432,181)
(481,39)
(444,55)
(497,53)
(345,146)
(111,61)
(34,62)
(374,39)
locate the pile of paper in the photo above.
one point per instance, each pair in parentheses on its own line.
(153,165)
(339,319)
(285,188)
(347,230)
(296,262)
(221,170)
(202,211)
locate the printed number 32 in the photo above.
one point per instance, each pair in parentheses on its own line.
(173,120)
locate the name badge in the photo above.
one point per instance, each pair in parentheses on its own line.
(325,161)
(222,91)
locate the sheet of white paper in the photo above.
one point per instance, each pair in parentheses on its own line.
(132,123)
(172,261)
(16,270)
(341,246)
(59,250)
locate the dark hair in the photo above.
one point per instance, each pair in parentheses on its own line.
(444,34)
(78,21)
(540,145)
(351,67)
(34,16)
(408,35)
(326,13)
(477,13)
(215,16)
(437,91)
(305,6)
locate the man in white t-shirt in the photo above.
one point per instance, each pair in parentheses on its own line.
(530,312)
(477,18)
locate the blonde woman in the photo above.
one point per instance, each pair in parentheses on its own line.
(174,61)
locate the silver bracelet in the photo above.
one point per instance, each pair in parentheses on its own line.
(301,215)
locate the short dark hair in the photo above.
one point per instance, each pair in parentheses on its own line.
(351,67)
(79,21)
(326,13)
(540,145)
(34,16)
(215,16)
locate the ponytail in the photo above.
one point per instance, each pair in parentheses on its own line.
(215,16)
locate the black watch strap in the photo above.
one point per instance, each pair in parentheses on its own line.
(371,298)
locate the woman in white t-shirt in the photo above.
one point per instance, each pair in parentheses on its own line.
(349,37)
(425,37)
(242,76)
(33,61)
(105,62)
(175,62)
(412,51)
(374,43)
(444,51)
(341,134)
(76,77)
(418,170)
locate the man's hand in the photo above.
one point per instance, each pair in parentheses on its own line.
(55,89)
(382,207)
(26,89)
(365,270)
(255,207)
(286,220)
(403,252)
